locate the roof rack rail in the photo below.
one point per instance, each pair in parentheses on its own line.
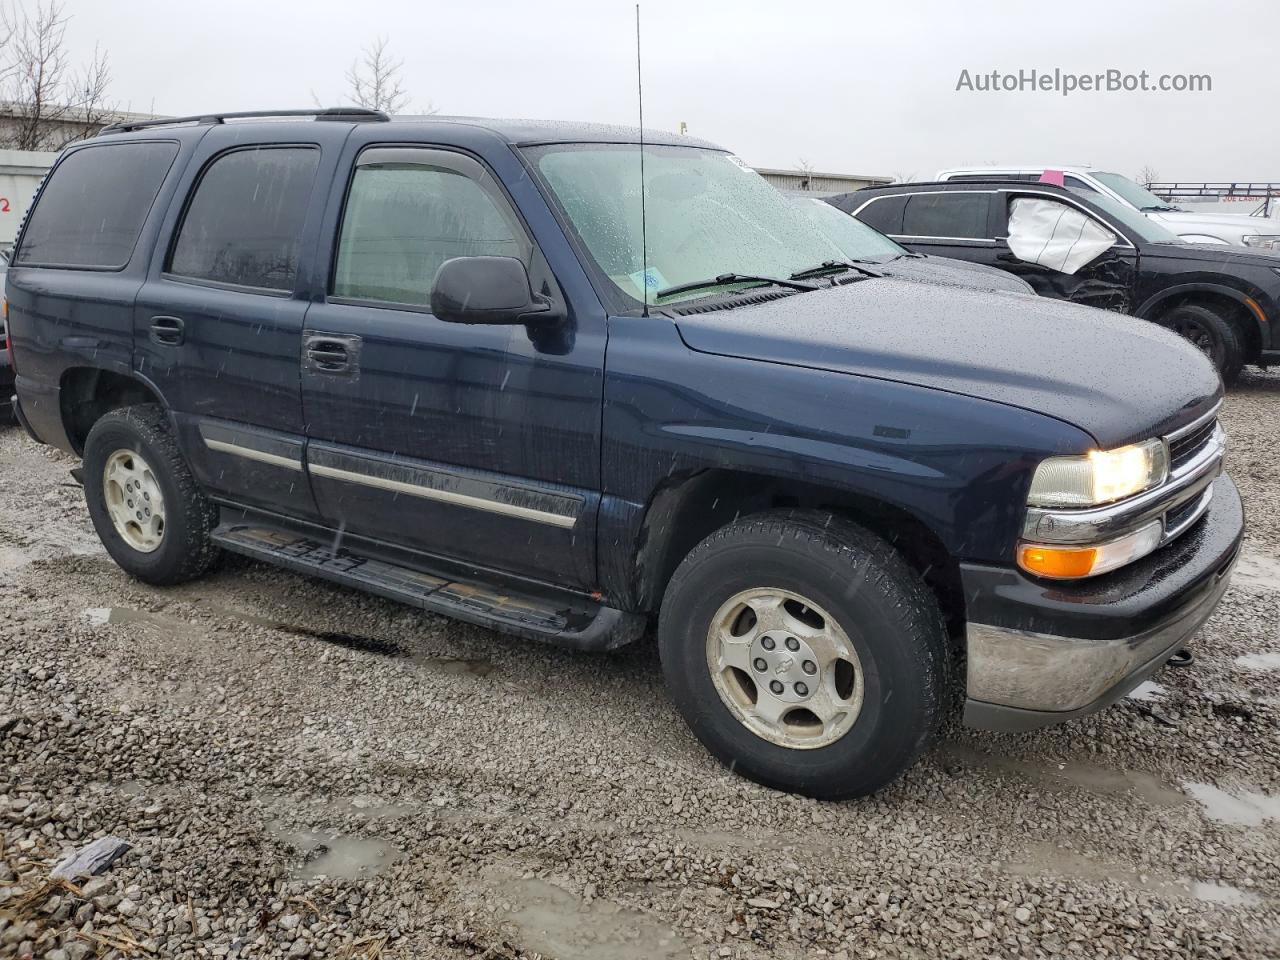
(352,114)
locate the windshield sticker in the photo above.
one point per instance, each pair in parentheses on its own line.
(734,158)
(651,279)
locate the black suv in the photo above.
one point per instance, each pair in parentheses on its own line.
(446,361)
(1225,299)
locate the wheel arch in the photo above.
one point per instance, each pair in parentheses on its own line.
(1240,309)
(689,508)
(86,394)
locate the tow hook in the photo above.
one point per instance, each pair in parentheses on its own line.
(1183,658)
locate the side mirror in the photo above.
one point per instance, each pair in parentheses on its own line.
(487,290)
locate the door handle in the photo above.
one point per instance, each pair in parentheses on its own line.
(328,356)
(331,353)
(167,331)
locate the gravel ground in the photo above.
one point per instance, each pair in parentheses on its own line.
(306,771)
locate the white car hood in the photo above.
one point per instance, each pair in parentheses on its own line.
(1241,222)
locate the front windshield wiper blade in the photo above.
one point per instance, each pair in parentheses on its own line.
(727,278)
(834,266)
(1160,208)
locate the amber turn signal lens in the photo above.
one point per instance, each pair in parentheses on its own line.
(1061,563)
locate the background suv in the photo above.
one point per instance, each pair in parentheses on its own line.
(1260,232)
(1226,300)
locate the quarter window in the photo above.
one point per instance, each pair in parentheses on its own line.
(244,223)
(92,209)
(408,211)
(962,215)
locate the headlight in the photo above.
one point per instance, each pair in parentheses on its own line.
(1100,476)
(1261,240)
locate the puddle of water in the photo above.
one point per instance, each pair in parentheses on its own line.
(332,855)
(1259,661)
(1257,572)
(117,616)
(457,667)
(1213,892)
(1049,860)
(556,923)
(1147,691)
(1084,775)
(1243,807)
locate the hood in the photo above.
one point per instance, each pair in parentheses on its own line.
(1116,377)
(1235,221)
(954,273)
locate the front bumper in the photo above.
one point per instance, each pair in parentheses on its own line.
(1041,653)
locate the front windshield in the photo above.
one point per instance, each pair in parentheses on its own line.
(1140,197)
(1145,228)
(707,214)
(854,238)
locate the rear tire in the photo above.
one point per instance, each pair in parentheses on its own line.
(133,469)
(1211,333)
(805,582)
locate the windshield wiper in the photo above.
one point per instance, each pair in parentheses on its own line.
(834,266)
(1160,208)
(727,278)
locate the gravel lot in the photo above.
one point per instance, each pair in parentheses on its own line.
(307,771)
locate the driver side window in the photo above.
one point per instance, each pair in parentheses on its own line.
(1055,235)
(410,210)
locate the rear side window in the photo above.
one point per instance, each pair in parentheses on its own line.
(885,214)
(91,211)
(408,211)
(946,215)
(244,223)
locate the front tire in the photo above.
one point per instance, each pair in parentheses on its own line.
(1212,334)
(805,654)
(143,501)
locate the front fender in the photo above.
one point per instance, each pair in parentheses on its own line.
(959,465)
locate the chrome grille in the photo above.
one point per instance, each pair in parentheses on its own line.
(1184,448)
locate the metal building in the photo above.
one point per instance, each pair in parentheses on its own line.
(813,184)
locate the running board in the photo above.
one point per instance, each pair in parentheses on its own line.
(573,622)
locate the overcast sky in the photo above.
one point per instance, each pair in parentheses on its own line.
(856,87)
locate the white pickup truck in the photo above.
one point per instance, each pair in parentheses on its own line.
(1263,233)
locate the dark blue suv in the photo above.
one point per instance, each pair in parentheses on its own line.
(460,364)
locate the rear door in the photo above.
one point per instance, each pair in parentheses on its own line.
(943,223)
(218,324)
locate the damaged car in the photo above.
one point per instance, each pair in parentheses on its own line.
(1094,251)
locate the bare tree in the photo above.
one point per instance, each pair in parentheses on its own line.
(373,81)
(53,102)
(1148,174)
(806,173)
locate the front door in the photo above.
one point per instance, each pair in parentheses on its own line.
(472,442)
(1066,253)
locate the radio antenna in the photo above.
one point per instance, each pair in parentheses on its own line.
(644,227)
